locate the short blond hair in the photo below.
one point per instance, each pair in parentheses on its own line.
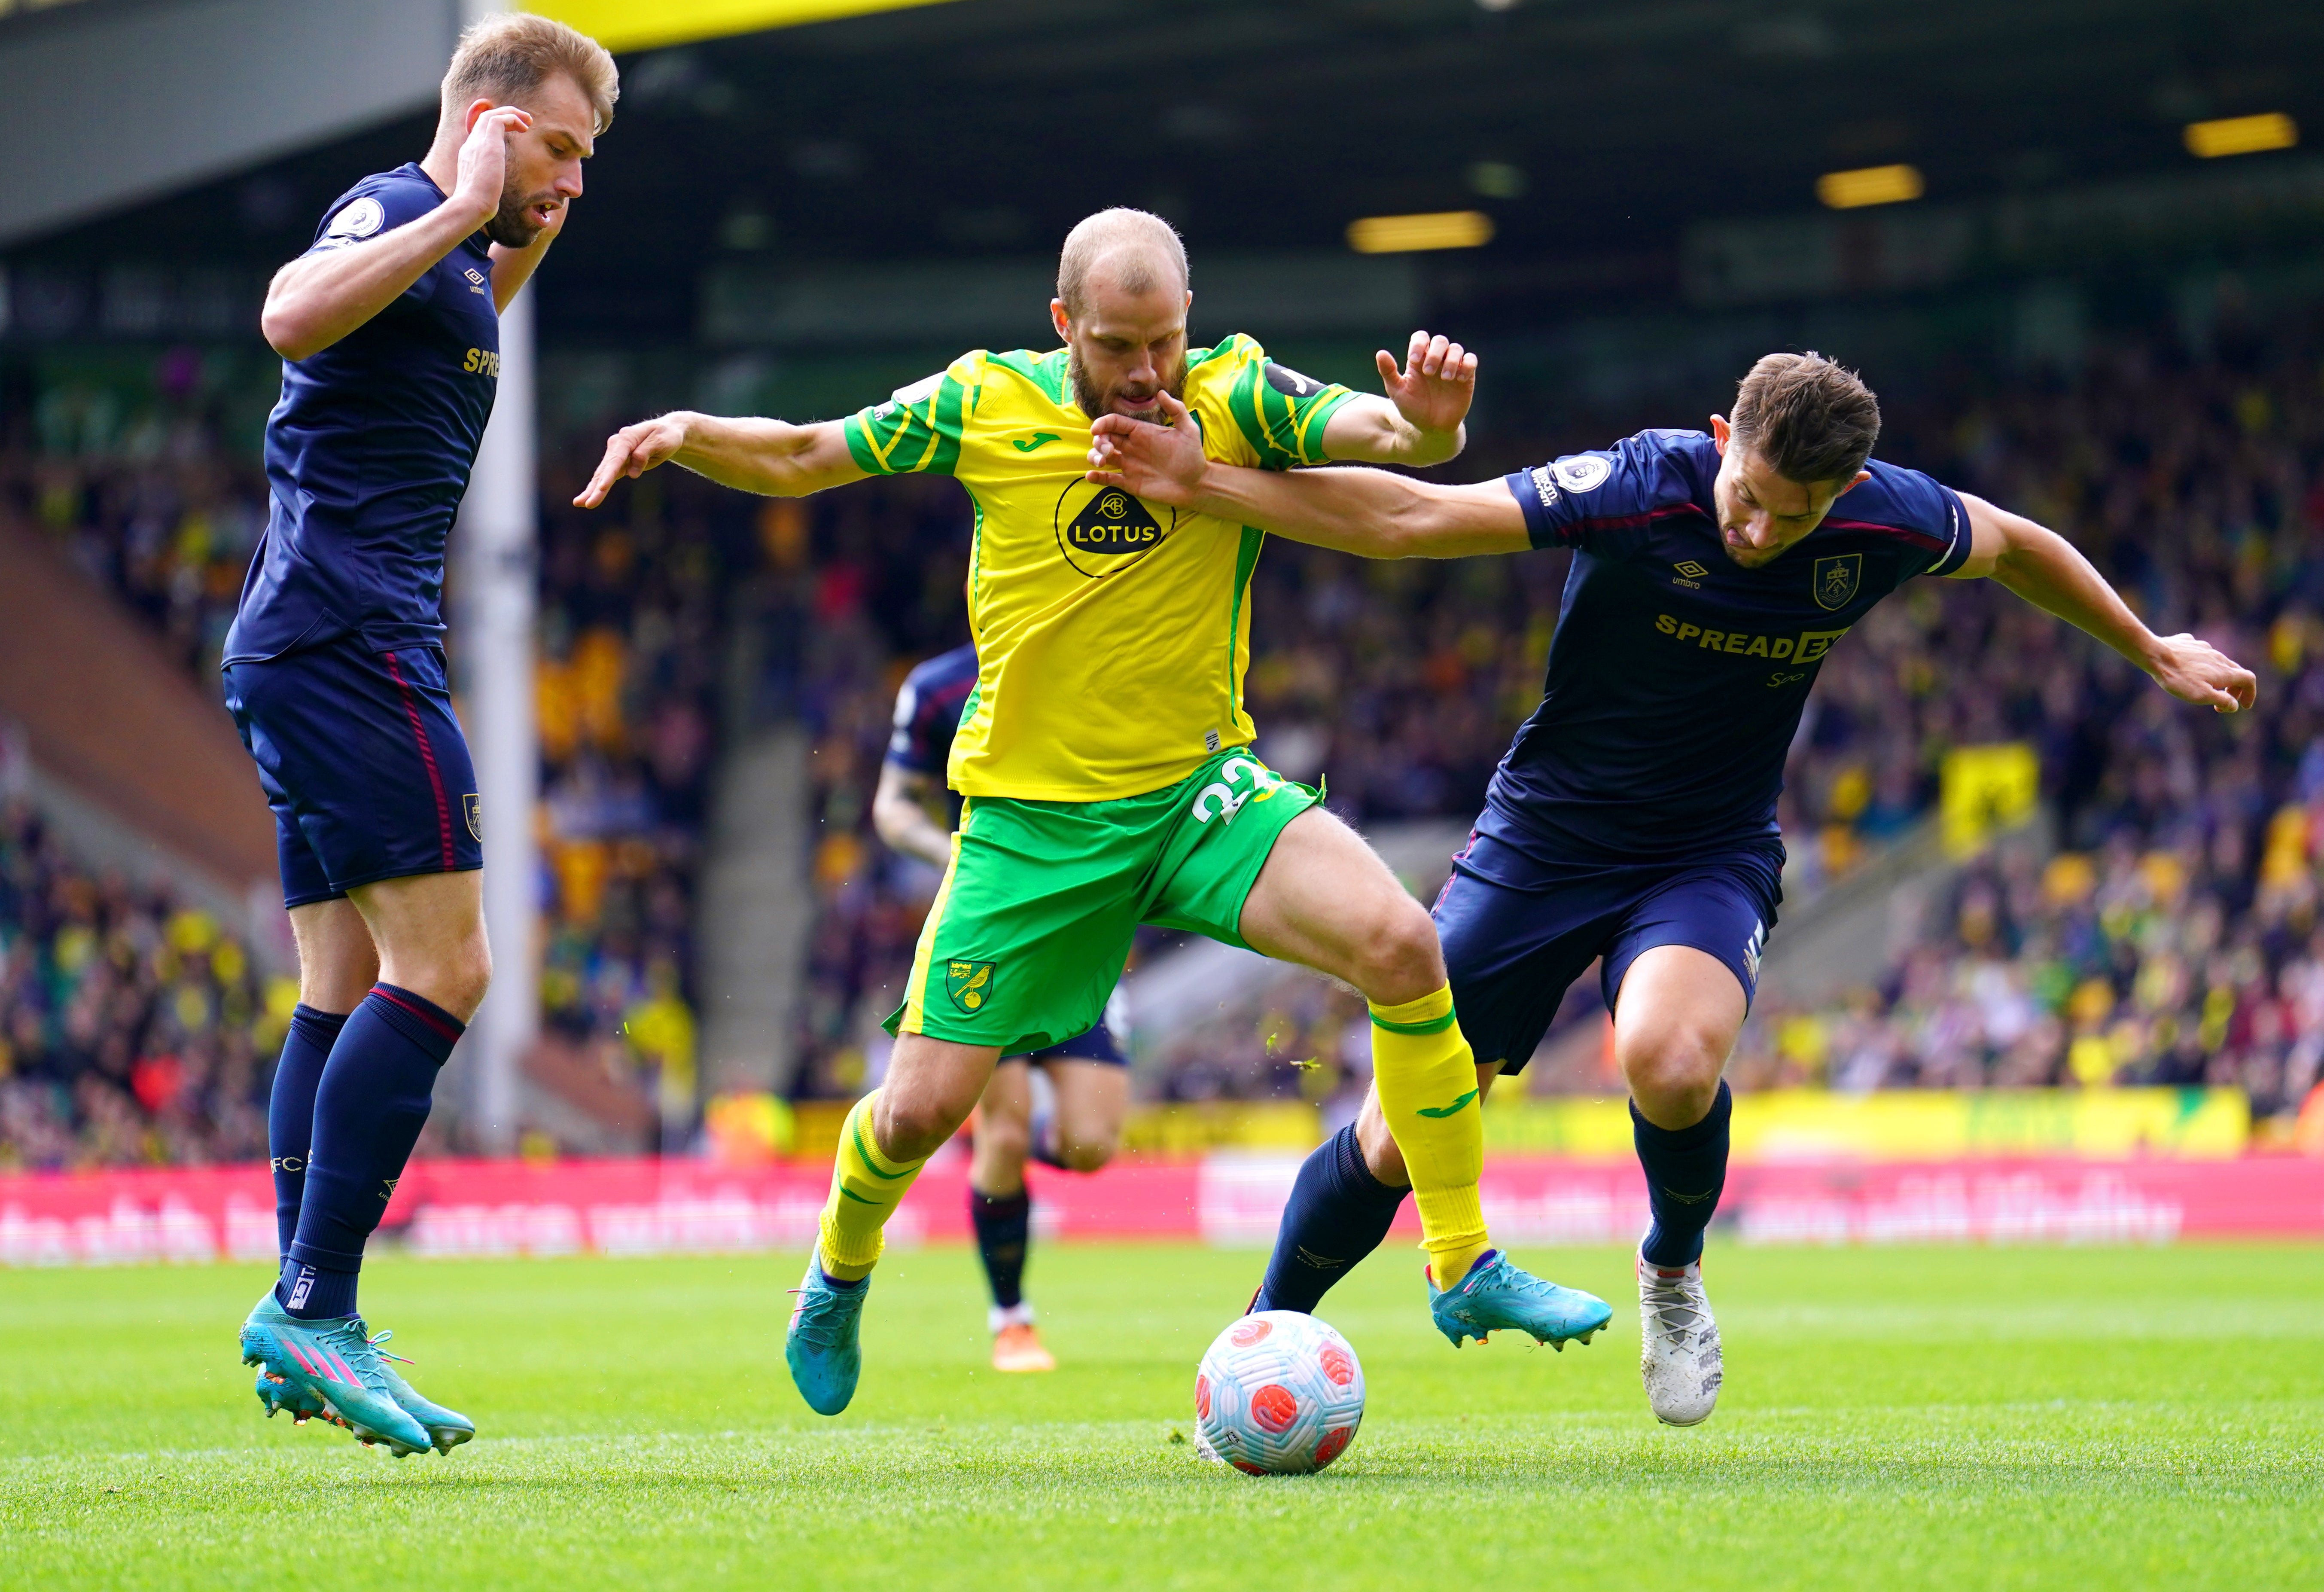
(513,52)
(1141,237)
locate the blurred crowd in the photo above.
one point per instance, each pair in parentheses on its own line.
(132,1029)
(161,498)
(634,622)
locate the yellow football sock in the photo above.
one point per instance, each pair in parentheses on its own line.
(866,1187)
(1428,1081)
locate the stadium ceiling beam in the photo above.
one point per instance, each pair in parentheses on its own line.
(650,25)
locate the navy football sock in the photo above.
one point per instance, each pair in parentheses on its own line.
(1002,1222)
(369,1109)
(291,1111)
(1685,1169)
(1338,1213)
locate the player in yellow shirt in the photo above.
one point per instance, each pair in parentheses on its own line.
(1105,754)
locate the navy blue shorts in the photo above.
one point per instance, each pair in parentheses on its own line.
(363,762)
(1517,930)
(1097,1045)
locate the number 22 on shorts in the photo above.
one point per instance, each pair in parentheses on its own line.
(1220,800)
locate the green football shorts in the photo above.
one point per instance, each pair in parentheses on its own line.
(1031,929)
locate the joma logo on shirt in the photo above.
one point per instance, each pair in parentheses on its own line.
(1804,648)
(483,361)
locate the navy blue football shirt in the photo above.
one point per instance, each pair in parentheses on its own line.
(369,450)
(1676,677)
(928,714)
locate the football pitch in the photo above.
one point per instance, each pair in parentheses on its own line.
(1892,1418)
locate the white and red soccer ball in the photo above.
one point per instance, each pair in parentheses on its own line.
(1279,1393)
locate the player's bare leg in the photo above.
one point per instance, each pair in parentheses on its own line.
(1676,1021)
(932,1086)
(1000,1213)
(1326,900)
(1092,1104)
(1092,1100)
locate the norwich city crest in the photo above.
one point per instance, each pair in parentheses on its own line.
(1836,580)
(970,984)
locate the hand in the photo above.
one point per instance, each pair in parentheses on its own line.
(632,451)
(1433,390)
(2194,670)
(1161,464)
(484,161)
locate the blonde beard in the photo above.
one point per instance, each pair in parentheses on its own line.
(1095,404)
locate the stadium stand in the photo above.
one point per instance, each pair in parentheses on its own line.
(139,1032)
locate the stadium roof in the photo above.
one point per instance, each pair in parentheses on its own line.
(1623,149)
(652,25)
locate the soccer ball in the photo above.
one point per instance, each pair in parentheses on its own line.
(1279,1393)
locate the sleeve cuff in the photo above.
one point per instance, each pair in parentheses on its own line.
(1540,529)
(1955,556)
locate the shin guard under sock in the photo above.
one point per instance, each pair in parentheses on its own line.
(1338,1213)
(1003,1223)
(1428,1093)
(866,1187)
(1685,1169)
(370,1106)
(291,1113)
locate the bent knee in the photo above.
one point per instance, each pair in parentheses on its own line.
(912,1126)
(1673,1071)
(1401,960)
(1001,1139)
(1087,1154)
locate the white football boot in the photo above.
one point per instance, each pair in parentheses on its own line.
(1678,1354)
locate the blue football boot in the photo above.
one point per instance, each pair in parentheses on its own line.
(820,1347)
(446,1428)
(1497,1296)
(329,1367)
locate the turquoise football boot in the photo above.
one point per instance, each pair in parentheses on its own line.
(276,1391)
(1497,1296)
(820,1347)
(446,1428)
(330,1368)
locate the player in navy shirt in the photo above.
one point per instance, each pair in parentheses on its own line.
(1089,1074)
(389,328)
(1633,821)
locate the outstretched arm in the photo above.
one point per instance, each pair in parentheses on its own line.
(1368,513)
(1421,422)
(768,457)
(2045,569)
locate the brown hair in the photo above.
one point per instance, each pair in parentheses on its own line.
(1142,239)
(513,52)
(1810,418)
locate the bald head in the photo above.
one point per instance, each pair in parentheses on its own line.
(1136,253)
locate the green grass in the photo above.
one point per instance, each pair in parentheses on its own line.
(1940,1417)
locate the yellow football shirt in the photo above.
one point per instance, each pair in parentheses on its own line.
(1111,634)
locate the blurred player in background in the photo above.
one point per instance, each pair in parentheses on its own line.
(1105,756)
(1088,1076)
(1633,821)
(389,328)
